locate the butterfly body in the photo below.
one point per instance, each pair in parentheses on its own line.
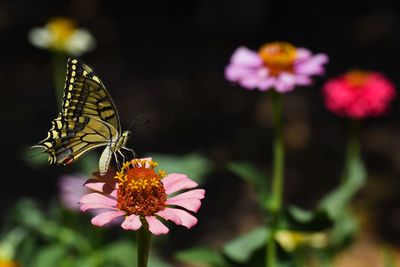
(88,120)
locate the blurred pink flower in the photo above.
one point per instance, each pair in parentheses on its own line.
(140,195)
(278,65)
(72,189)
(359,94)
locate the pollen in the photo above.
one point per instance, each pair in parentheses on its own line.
(357,78)
(61,29)
(278,57)
(140,190)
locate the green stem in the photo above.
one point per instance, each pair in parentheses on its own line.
(353,145)
(278,154)
(277,180)
(143,241)
(59,72)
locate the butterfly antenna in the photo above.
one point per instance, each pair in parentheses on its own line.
(136,119)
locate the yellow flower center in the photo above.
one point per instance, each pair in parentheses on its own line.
(61,30)
(278,57)
(8,263)
(357,78)
(140,190)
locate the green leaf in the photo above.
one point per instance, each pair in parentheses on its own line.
(124,253)
(336,201)
(300,214)
(155,261)
(304,220)
(201,257)
(241,248)
(28,213)
(194,165)
(343,230)
(121,252)
(50,256)
(252,175)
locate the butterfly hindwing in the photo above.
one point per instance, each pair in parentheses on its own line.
(68,140)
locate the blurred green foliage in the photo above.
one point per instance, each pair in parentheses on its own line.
(318,234)
(51,237)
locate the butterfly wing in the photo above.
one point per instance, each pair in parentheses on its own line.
(67,140)
(88,118)
(86,95)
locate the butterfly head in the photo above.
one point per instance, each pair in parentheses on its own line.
(121,141)
(127,135)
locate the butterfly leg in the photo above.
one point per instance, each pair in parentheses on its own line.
(116,161)
(131,150)
(123,156)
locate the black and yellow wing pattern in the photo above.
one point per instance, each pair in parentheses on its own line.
(88,118)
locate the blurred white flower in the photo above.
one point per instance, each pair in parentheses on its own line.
(62,35)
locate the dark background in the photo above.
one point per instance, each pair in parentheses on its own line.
(168,59)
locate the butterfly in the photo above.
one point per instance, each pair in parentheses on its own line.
(88,119)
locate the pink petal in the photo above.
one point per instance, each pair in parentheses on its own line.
(99,186)
(132,222)
(147,162)
(106,217)
(72,182)
(303,80)
(95,185)
(312,66)
(189,200)
(188,220)
(113,194)
(195,193)
(266,83)
(234,72)
(302,53)
(89,206)
(98,199)
(167,214)
(155,226)
(286,82)
(189,204)
(177,181)
(246,57)
(250,82)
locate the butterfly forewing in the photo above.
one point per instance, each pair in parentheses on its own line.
(86,95)
(88,118)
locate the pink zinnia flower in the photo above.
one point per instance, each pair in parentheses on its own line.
(141,196)
(359,94)
(71,190)
(277,65)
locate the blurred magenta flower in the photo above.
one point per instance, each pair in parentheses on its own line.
(359,94)
(62,35)
(278,65)
(72,189)
(141,195)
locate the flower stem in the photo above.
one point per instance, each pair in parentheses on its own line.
(277,180)
(143,240)
(353,145)
(278,154)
